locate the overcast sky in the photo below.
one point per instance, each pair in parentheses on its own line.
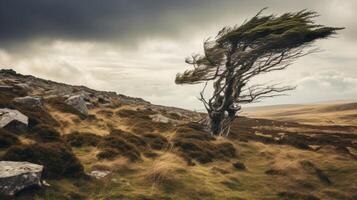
(135,47)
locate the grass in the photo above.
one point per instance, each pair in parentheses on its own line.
(161,151)
(169,177)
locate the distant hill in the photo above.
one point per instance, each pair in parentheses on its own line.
(326,113)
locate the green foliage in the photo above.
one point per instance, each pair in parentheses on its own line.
(257,37)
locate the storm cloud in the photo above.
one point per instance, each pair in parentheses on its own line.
(136,47)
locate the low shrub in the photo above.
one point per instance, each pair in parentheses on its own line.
(108,153)
(198,145)
(121,145)
(141,114)
(45,133)
(239,166)
(57,158)
(156,141)
(7,139)
(78,139)
(131,138)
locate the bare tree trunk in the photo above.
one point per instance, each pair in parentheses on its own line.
(216,122)
(219,123)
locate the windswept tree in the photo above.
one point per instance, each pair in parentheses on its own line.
(238,54)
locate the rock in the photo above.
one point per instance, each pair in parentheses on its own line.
(5,88)
(159,118)
(9,116)
(29,101)
(99,174)
(44,183)
(89,105)
(15,176)
(23,86)
(78,103)
(239,166)
(103,100)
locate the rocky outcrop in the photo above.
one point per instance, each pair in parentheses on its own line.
(16,176)
(29,101)
(78,103)
(9,116)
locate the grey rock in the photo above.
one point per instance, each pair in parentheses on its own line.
(9,115)
(23,86)
(16,176)
(99,174)
(89,105)
(6,88)
(159,118)
(29,101)
(78,103)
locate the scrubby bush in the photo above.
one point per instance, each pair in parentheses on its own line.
(130,138)
(156,141)
(198,145)
(45,133)
(121,145)
(148,126)
(239,166)
(7,139)
(108,153)
(57,158)
(37,115)
(78,139)
(141,114)
(6,100)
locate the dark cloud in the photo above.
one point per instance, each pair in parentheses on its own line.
(90,19)
(121,21)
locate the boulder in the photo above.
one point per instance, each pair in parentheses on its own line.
(159,118)
(78,103)
(15,176)
(99,174)
(10,116)
(29,101)
(23,86)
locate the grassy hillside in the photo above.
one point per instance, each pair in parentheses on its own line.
(173,158)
